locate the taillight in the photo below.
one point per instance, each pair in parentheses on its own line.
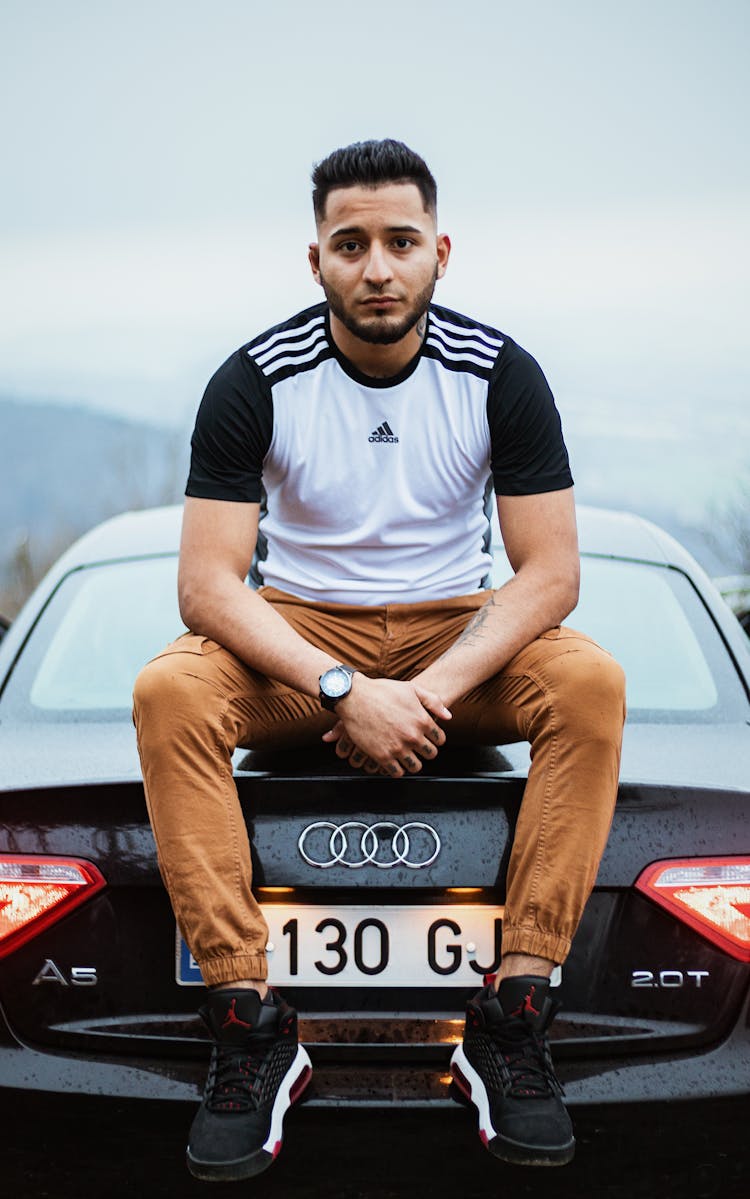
(712,895)
(37,891)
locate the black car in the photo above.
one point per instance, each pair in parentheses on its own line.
(384,897)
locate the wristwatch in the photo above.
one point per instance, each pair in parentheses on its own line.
(334,685)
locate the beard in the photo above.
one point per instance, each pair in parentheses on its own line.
(380,330)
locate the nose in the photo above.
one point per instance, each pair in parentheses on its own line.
(377,270)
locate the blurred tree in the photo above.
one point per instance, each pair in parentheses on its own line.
(133,481)
(729,529)
(25,565)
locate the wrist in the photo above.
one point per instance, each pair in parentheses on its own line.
(348,702)
(334,685)
(440,683)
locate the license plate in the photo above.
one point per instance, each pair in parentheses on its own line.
(399,946)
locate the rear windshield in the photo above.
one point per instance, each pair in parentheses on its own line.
(100,627)
(104,622)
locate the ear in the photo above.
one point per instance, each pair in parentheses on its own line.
(443,253)
(313,257)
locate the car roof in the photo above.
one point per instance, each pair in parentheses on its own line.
(602,532)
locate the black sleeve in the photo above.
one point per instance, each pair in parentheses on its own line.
(232,434)
(528,453)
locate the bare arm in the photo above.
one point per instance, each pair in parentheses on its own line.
(218,542)
(539,533)
(390,721)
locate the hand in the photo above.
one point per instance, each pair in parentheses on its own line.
(388,725)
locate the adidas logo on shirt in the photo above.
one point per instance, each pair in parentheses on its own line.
(383,432)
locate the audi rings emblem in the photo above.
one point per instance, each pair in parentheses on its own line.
(356,844)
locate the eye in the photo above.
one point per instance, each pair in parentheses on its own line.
(403,243)
(349,247)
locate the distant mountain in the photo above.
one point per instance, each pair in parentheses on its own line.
(63,469)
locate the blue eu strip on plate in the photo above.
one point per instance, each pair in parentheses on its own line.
(188,973)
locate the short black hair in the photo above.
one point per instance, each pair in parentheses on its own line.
(370,164)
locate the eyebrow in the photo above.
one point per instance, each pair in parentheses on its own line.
(348,230)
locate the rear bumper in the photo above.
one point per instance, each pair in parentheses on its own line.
(383,1076)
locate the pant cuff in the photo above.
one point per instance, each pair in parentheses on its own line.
(536,943)
(232,969)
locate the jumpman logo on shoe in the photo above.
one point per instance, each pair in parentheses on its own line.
(232,1017)
(526,1005)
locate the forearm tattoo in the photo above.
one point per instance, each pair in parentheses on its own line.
(472,634)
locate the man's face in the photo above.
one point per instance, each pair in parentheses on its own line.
(377,259)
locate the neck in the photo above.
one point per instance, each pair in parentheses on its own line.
(380,362)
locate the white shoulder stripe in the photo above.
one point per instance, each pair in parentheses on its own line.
(290,347)
(486,363)
(466,343)
(461,331)
(282,335)
(296,359)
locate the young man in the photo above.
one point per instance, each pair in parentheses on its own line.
(347,454)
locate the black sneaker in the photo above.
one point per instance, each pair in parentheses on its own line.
(504,1067)
(257,1072)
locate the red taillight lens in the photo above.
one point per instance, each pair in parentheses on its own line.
(37,891)
(712,895)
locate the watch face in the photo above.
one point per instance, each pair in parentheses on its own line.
(335,682)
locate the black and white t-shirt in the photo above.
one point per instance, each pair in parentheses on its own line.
(376,491)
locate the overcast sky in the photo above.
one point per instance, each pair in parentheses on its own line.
(591,156)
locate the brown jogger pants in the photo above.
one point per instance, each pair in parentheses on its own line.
(196,702)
